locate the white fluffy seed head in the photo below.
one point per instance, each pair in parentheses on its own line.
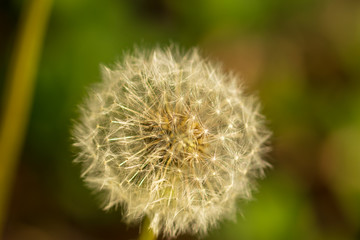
(170,136)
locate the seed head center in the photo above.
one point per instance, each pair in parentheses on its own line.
(180,136)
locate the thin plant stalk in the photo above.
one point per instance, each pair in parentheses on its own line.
(146,233)
(19,92)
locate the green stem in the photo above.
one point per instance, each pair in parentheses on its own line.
(18,93)
(146,233)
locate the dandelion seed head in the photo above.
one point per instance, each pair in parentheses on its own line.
(169,135)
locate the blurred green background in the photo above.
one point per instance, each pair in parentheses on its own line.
(301,57)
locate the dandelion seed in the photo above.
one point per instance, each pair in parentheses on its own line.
(158,123)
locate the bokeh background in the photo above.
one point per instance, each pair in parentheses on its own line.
(301,57)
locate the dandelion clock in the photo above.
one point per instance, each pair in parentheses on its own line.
(170,136)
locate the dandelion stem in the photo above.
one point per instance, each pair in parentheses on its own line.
(18,93)
(146,233)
